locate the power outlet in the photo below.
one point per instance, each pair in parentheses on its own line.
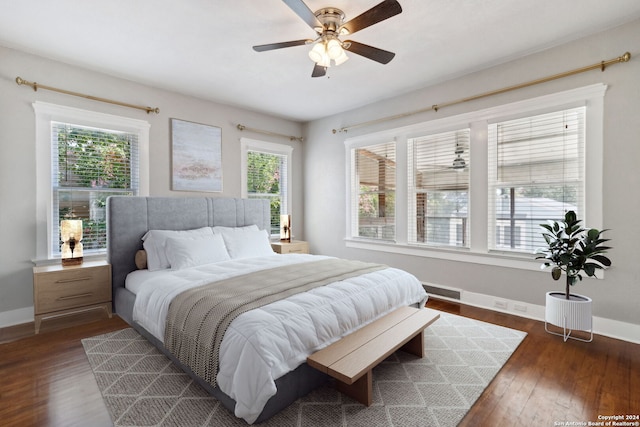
(520,307)
(500,304)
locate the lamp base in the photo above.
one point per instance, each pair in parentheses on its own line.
(71,261)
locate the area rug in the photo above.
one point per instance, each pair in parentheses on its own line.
(141,387)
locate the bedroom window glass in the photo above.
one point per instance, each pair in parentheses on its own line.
(438,189)
(267,176)
(374,191)
(536,172)
(88,165)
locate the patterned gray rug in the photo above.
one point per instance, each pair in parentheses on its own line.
(141,387)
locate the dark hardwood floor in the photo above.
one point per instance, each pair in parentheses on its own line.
(45,380)
(547,382)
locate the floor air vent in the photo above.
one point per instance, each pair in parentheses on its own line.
(443,292)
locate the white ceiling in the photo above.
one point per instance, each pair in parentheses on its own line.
(203,47)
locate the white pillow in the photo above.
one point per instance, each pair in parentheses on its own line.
(248,244)
(184,253)
(233,232)
(154,242)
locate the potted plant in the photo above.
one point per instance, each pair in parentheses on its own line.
(571,250)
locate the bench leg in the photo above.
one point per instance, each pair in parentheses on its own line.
(415,345)
(361,390)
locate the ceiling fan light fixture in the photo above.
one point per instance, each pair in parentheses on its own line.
(341,59)
(325,61)
(334,49)
(458,163)
(317,53)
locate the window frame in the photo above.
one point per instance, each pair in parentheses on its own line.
(417,145)
(246,145)
(493,228)
(45,113)
(355,190)
(591,96)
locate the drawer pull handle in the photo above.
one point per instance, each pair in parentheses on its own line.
(79,279)
(88,294)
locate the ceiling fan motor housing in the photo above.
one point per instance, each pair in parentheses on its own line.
(331,19)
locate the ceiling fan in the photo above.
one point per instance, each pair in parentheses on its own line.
(329,25)
(459,163)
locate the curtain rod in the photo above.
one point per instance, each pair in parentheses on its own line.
(37,86)
(600,65)
(266,132)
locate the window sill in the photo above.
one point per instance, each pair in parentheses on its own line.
(498,259)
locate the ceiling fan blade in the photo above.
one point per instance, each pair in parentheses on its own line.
(272,46)
(382,11)
(319,71)
(303,11)
(373,53)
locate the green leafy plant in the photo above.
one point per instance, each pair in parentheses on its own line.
(572,249)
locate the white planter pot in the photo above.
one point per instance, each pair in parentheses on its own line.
(573,314)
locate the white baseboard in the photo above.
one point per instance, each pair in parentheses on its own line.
(602,326)
(16,317)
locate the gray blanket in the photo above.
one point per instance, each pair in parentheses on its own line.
(198,318)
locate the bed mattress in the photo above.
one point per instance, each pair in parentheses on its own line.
(264,344)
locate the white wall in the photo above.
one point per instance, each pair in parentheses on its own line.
(617,297)
(18,157)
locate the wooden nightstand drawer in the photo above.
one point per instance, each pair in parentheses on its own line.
(61,290)
(66,289)
(293,247)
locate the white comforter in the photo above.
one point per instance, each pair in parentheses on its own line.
(264,344)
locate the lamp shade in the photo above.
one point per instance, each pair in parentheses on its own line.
(71,236)
(342,58)
(334,50)
(316,54)
(285,228)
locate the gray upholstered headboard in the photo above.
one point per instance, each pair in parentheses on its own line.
(129,218)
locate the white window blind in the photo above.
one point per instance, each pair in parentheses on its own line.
(536,173)
(88,165)
(267,179)
(438,189)
(373,191)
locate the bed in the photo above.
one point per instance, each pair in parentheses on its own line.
(261,366)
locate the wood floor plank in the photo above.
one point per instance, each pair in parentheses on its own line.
(46,379)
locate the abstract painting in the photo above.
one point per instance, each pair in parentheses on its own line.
(196,157)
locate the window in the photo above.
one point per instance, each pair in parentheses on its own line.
(374,186)
(536,173)
(89,165)
(524,162)
(439,189)
(266,175)
(83,157)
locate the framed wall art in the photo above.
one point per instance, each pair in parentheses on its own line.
(196,157)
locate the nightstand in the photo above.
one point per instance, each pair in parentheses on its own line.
(59,290)
(292,247)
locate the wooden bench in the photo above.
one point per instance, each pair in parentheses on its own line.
(352,359)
